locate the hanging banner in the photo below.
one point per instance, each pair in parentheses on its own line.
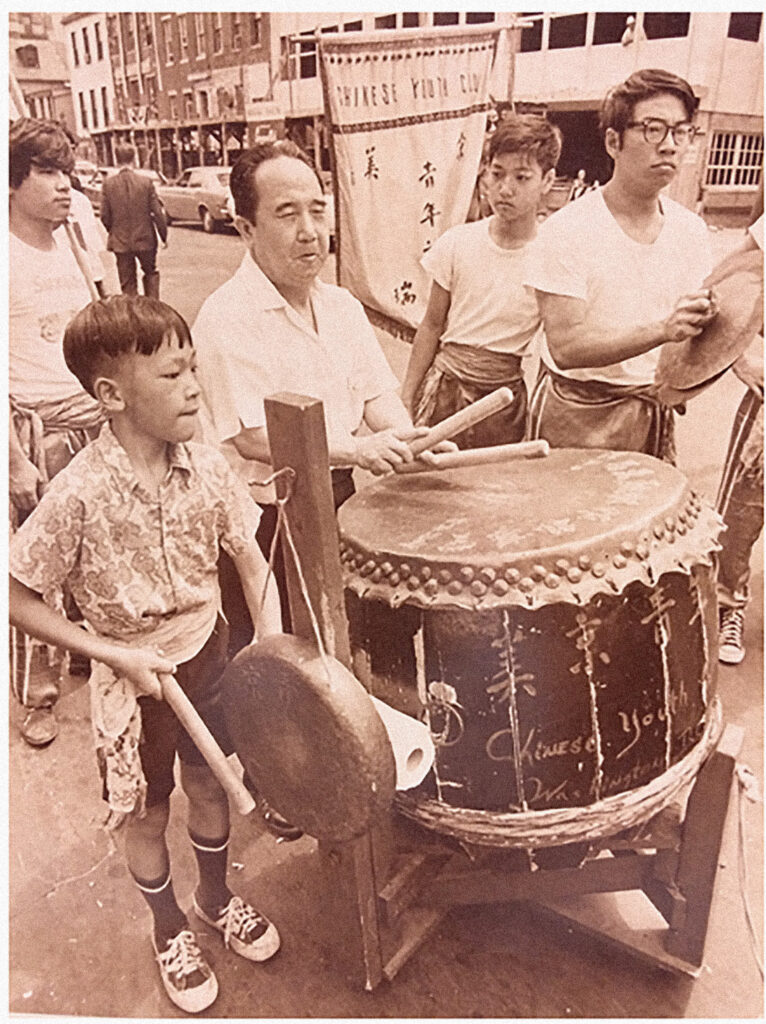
(407,117)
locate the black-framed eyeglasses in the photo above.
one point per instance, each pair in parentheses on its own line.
(656,130)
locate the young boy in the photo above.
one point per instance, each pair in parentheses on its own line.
(481,320)
(133,525)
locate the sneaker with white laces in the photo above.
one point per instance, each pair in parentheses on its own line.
(188,978)
(246,931)
(731,648)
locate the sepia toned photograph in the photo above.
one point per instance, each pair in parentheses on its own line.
(385,514)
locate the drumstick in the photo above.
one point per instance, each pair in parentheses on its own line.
(467,417)
(206,744)
(82,263)
(478,456)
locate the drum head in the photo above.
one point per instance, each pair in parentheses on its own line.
(738,285)
(310,739)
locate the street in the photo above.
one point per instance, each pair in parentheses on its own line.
(79,931)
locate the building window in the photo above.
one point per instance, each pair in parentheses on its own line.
(86,44)
(190,111)
(609,26)
(128,34)
(183,38)
(145,28)
(99,41)
(83,110)
(168,35)
(734,160)
(28,56)
(386,21)
(255,29)
(104,105)
(199,32)
(446,18)
(203,103)
(75,54)
(236,31)
(478,17)
(94,108)
(567,32)
(532,37)
(411,19)
(217,33)
(173,106)
(745,26)
(666,25)
(307,58)
(352,26)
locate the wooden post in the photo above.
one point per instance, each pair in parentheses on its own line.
(355,871)
(297,438)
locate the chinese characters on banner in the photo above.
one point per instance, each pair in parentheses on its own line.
(407,118)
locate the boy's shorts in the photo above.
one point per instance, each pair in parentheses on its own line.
(162,735)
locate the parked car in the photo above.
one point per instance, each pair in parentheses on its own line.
(199,194)
(92,187)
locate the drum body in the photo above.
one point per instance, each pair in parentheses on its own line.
(554,622)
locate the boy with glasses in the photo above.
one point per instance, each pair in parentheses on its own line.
(618,274)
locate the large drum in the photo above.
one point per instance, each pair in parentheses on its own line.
(554,622)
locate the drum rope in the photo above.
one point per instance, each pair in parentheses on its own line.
(747,789)
(287,476)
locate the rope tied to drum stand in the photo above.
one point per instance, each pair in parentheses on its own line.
(747,789)
(286,476)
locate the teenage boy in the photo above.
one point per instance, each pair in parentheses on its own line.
(618,274)
(134,525)
(51,415)
(481,320)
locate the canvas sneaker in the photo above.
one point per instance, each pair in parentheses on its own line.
(731,649)
(186,975)
(246,931)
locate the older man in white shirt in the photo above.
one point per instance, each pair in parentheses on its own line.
(275,327)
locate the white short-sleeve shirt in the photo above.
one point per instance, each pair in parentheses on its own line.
(581,251)
(46,289)
(489,305)
(251,344)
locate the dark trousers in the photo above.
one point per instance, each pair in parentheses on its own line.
(233,599)
(126,271)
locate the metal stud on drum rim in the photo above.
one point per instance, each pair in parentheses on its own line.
(308,735)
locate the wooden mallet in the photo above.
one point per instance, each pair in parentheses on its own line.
(460,421)
(206,744)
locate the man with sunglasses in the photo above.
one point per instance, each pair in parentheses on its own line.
(618,274)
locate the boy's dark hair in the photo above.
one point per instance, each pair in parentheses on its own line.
(124,154)
(34,141)
(620,102)
(530,134)
(110,328)
(242,181)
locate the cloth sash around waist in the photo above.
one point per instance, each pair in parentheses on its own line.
(480,367)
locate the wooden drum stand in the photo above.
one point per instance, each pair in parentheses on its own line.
(388,887)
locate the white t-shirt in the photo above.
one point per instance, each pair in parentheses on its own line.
(46,289)
(581,251)
(252,344)
(489,305)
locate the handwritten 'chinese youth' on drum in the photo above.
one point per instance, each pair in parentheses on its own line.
(554,623)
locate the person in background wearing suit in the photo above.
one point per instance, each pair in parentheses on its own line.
(133,215)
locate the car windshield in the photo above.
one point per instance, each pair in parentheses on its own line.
(223,177)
